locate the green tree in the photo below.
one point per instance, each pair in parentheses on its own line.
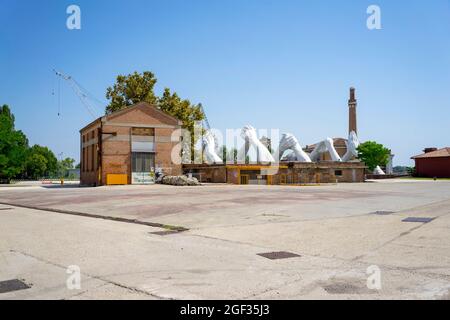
(181,109)
(233,155)
(184,111)
(65,165)
(134,88)
(131,89)
(13,146)
(373,154)
(52,162)
(224,152)
(36,166)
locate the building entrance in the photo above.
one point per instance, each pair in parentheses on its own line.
(142,168)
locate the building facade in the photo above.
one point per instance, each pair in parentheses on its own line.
(433,163)
(129,146)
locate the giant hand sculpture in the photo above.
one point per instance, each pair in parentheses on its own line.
(352,147)
(379,171)
(324,146)
(289,142)
(248,133)
(209,145)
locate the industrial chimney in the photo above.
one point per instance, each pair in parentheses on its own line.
(352,112)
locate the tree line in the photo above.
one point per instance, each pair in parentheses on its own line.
(20,161)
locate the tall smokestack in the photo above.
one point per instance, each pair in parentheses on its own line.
(352,112)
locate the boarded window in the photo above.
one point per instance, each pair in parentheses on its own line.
(83,160)
(92,158)
(143,132)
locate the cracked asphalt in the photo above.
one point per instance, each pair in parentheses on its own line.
(109,233)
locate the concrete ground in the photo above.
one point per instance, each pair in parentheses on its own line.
(45,229)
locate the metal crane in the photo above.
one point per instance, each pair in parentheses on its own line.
(81,93)
(208,127)
(205,118)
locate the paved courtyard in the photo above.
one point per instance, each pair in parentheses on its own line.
(109,232)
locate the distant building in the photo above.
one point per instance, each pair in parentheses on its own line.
(433,163)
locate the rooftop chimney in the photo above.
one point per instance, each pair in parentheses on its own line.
(428,150)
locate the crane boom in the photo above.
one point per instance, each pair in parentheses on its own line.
(81,93)
(205,117)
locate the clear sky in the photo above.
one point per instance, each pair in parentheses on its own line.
(273,64)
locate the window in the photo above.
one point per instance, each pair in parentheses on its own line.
(142,162)
(142,140)
(83,161)
(93,157)
(338,173)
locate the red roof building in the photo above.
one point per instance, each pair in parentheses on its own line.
(433,163)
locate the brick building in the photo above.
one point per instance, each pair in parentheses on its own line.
(433,163)
(128,146)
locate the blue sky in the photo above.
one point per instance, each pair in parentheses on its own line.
(273,64)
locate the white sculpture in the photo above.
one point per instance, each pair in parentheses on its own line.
(248,133)
(352,147)
(289,142)
(326,145)
(379,171)
(209,147)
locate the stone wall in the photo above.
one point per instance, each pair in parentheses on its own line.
(293,173)
(207,173)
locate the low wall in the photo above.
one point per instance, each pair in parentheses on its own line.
(206,173)
(284,173)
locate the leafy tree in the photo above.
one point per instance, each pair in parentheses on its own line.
(223,151)
(233,153)
(181,109)
(65,165)
(228,155)
(13,146)
(412,171)
(131,89)
(52,162)
(373,154)
(134,88)
(36,165)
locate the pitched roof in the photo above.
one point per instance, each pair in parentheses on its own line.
(444,152)
(141,105)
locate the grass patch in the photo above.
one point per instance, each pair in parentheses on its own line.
(174,228)
(422,178)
